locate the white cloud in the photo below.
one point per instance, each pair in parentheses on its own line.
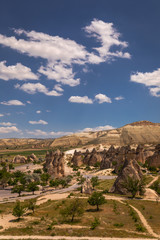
(38,122)
(78,99)
(38,111)
(58,88)
(101,98)
(60,73)
(7,124)
(33,88)
(18,72)
(61,54)
(9,129)
(99,128)
(12,103)
(108,36)
(119,98)
(150,80)
(29,102)
(1,115)
(39,132)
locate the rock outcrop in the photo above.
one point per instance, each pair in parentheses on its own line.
(19,159)
(32,158)
(54,163)
(130,169)
(77,159)
(87,186)
(154,160)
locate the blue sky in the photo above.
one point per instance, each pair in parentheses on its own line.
(69,66)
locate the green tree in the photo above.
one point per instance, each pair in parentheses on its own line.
(18,210)
(45,177)
(32,204)
(32,187)
(96,199)
(94,181)
(135,186)
(73,209)
(4,177)
(81,180)
(18,189)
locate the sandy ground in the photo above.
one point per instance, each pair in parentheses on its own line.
(56,196)
(69,238)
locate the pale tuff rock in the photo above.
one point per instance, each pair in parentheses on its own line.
(55,164)
(154,160)
(87,186)
(32,157)
(19,159)
(130,169)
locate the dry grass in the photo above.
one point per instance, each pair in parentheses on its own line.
(115,221)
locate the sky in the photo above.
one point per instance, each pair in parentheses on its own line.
(68,66)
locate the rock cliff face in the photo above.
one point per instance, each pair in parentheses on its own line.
(142,132)
(154,160)
(130,169)
(54,163)
(87,158)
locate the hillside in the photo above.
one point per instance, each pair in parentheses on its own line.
(142,132)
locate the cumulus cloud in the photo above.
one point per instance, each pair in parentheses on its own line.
(58,88)
(101,98)
(7,124)
(9,129)
(1,115)
(18,72)
(39,132)
(108,36)
(150,80)
(38,122)
(29,102)
(33,88)
(60,73)
(12,103)
(99,128)
(119,98)
(38,111)
(61,54)
(78,99)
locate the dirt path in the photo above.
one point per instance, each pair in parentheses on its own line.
(145,223)
(68,238)
(155,179)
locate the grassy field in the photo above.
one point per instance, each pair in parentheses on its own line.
(151,211)
(12,154)
(115,221)
(105,184)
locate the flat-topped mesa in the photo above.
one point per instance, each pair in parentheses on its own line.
(130,169)
(142,123)
(54,163)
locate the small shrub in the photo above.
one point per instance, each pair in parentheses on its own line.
(118,225)
(150,217)
(139,228)
(105,191)
(95,223)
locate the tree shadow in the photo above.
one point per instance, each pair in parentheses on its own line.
(93,210)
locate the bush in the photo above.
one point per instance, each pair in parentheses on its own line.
(118,225)
(95,223)
(139,228)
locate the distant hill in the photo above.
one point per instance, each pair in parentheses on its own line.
(142,132)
